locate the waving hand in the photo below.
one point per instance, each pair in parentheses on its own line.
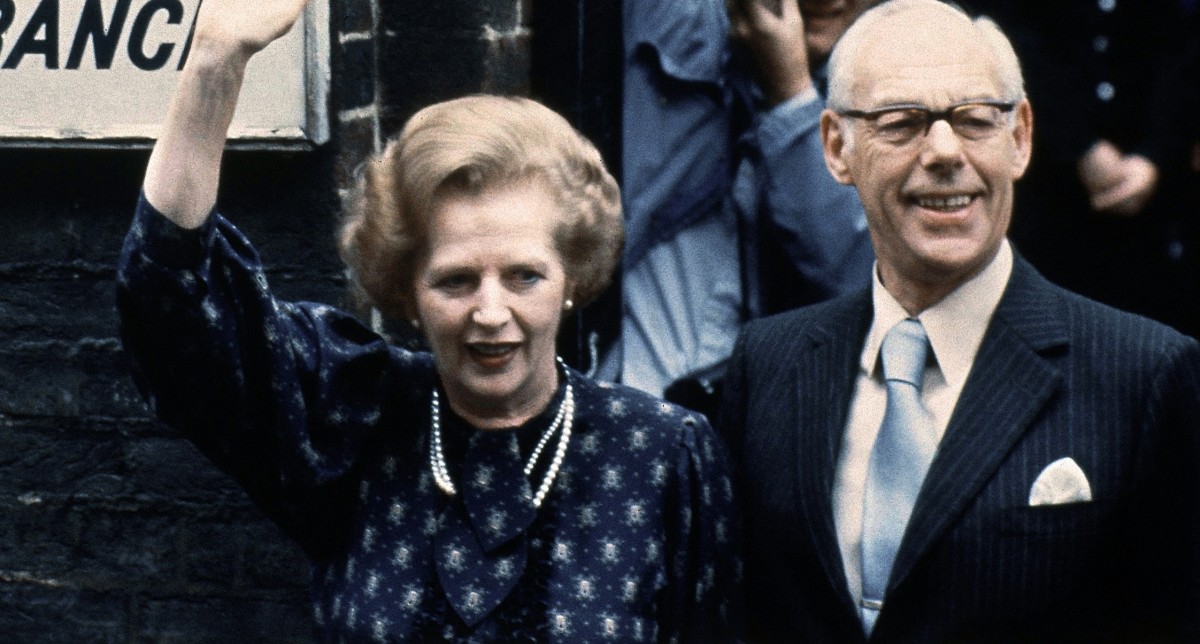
(183,173)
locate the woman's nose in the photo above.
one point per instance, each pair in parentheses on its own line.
(491,309)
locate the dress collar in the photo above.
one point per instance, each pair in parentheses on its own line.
(481,547)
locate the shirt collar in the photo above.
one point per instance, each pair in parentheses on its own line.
(690,38)
(955,325)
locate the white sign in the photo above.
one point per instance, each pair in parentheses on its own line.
(101,73)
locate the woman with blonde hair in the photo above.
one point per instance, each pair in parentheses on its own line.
(483,491)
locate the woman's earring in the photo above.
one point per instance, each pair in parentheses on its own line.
(568,304)
(416,324)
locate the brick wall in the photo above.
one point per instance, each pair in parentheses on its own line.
(113,529)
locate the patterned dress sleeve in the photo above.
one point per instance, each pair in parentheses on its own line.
(703,564)
(280,395)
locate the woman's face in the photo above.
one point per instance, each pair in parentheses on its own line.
(490,296)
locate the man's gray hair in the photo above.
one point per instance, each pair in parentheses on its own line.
(846,52)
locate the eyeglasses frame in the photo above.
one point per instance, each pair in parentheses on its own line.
(932,116)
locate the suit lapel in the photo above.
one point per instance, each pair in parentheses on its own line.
(1009,383)
(825,379)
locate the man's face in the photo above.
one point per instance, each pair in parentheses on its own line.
(938,205)
(825,21)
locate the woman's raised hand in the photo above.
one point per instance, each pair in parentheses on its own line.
(184,169)
(245,26)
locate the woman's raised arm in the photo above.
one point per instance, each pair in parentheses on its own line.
(183,173)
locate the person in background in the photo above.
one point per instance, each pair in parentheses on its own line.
(481,492)
(730,214)
(964,451)
(1107,207)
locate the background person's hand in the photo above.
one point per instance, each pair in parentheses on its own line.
(1117,183)
(1129,196)
(773,32)
(1099,168)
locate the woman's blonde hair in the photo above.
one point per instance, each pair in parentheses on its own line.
(467,146)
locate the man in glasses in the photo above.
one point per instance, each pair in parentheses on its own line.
(964,451)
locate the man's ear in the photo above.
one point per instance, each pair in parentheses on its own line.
(1022,138)
(833,140)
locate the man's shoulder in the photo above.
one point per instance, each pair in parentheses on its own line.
(834,316)
(1099,332)
(772,343)
(1100,327)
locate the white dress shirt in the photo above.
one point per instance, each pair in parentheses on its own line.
(955,327)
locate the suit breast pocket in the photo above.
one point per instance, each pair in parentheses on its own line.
(1048,520)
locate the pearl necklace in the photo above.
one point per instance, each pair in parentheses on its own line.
(565,416)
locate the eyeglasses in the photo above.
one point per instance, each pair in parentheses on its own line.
(901,124)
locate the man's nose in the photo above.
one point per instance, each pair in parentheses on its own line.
(942,147)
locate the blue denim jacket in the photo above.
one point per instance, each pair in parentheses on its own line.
(730,211)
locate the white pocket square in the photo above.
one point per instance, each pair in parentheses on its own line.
(1063,481)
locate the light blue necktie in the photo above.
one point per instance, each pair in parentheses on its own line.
(899,461)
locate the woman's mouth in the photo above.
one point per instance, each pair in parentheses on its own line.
(492,355)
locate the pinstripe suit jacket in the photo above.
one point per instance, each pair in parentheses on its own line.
(1056,375)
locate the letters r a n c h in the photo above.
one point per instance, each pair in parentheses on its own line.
(40,34)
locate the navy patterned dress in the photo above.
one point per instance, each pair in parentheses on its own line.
(327,427)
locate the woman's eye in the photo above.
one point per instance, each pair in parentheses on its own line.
(454,282)
(526,277)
